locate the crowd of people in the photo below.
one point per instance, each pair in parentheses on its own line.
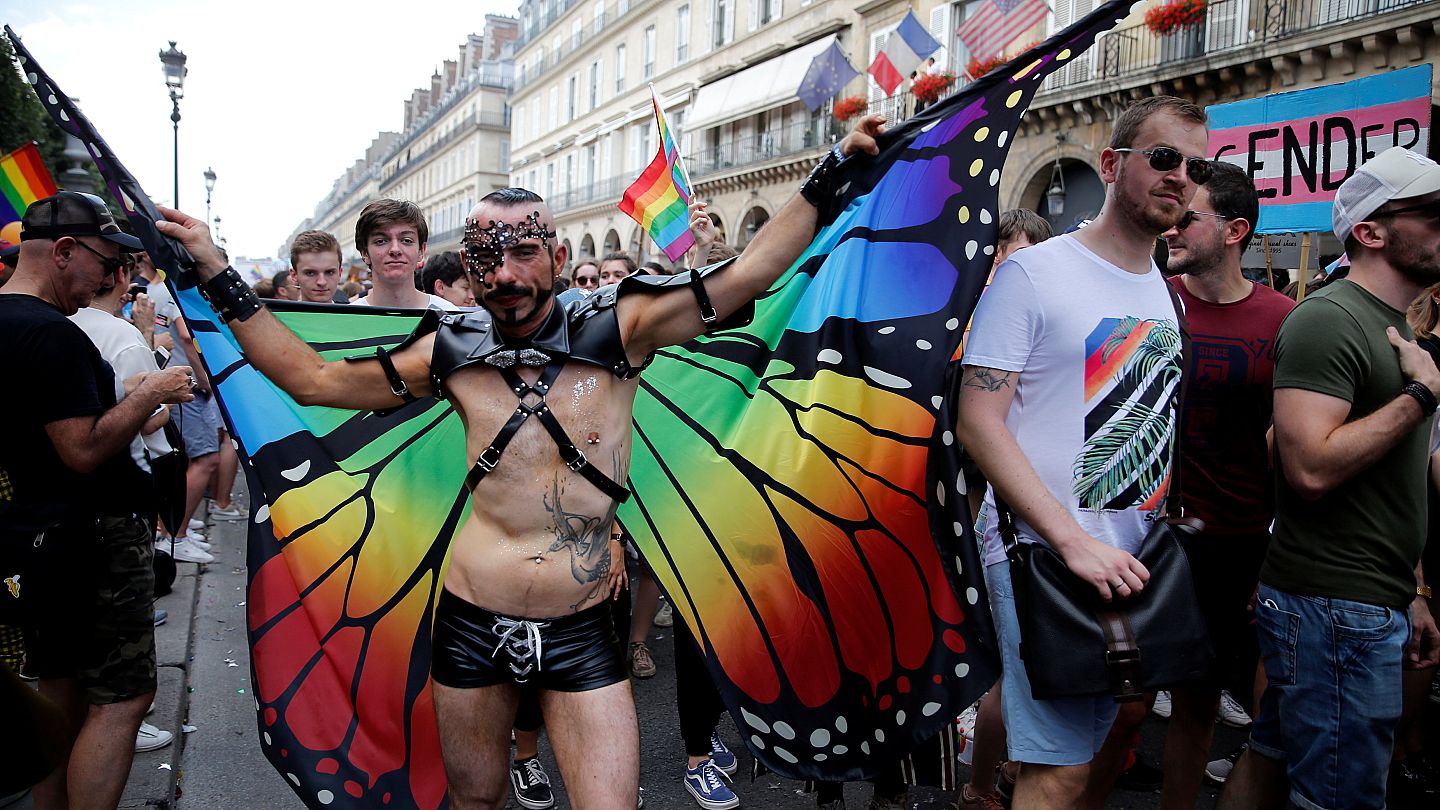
(1303,434)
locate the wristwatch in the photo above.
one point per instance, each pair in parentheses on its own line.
(1423,590)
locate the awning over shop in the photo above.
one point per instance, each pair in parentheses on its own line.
(769,84)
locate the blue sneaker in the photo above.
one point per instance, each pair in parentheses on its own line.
(707,784)
(723,758)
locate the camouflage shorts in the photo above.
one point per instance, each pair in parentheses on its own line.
(106,639)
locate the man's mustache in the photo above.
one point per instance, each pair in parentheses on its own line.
(506,290)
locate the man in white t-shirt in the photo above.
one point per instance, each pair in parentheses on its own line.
(1067,404)
(391,237)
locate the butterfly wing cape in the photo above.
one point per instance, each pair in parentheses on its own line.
(798,489)
(804,514)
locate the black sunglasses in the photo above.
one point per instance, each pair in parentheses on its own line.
(1166,159)
(1188,218)
(110,263)
(1430,209)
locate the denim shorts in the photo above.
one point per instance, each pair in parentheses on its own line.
(1333,698)
(200,426)
(1067,731)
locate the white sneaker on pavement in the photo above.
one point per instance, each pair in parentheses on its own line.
(150,738)
(197,523)
(1231,713)
(187,551)
(1162,705)
(233,513)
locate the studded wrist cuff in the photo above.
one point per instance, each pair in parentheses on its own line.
(231,297)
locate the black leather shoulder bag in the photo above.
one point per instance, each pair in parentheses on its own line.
(1074,644)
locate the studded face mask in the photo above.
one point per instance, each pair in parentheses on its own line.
(485,245)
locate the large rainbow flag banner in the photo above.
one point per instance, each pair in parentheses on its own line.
(23,180)
(660,199)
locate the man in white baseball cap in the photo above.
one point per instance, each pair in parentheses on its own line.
(1339,590)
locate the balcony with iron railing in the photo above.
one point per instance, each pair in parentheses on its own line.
(1231,27)
(761,147)
(466,125)
(600,191)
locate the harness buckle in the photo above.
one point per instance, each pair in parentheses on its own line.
(488,464)
(579,462)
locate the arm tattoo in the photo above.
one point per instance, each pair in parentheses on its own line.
(586,537)
(987,379)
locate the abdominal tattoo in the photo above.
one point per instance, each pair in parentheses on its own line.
(586,537)
(986,379)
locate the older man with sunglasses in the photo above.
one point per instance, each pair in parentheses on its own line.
(75,547)
(1341,589)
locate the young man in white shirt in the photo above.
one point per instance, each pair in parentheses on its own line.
(1076,344)
(391,237)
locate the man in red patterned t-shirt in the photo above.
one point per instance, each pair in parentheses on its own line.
(1223,450)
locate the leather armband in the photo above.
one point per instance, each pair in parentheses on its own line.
(230,297)
(702,300)
(1422,395)
(397,383)
(819,187)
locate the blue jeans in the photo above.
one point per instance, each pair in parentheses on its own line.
(1333,698)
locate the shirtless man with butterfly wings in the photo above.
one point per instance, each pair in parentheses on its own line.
(545,394)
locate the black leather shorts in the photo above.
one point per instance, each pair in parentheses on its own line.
(474,647)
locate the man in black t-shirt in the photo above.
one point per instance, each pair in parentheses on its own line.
(72,501)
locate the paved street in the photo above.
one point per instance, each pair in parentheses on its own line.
(204,681)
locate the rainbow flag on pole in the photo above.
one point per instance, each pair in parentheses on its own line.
(23,180)
(660,199)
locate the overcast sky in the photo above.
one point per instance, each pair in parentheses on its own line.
(281,96)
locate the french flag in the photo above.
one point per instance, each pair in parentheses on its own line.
(908,45)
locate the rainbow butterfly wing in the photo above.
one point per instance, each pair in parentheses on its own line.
(352,517)
(797,487)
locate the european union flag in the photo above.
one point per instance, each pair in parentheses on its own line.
(828,73)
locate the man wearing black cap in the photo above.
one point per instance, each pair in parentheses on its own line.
(76,556)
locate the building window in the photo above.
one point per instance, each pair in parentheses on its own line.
(557,42)
(648,50)
(622,7)
(682,34)
(722,22)
(576,27)
(549,180)
(620,68)
(572,98)
(554,106)
(595,84)
(504,154)
(768,10)
(599,13)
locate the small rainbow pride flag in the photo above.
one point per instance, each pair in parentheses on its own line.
(660,199)
(23,180)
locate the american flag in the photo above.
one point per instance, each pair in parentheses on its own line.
(997,23)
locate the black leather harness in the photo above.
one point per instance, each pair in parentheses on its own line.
(586,330)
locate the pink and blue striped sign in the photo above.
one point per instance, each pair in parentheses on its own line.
(1300,146)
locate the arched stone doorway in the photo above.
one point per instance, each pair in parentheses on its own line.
(750,224)
(612,243)
(1084,194)
(569,256)
(587,247)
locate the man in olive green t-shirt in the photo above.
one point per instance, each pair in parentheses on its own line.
(1354,399)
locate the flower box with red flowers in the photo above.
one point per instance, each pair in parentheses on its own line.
(928,87)
(1168,18)
(850,107)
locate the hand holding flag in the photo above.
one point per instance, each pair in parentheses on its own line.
(658,199)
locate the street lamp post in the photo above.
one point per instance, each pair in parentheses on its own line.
(218,238)
(209,187)
(173,64)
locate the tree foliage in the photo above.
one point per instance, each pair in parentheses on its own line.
(24,119)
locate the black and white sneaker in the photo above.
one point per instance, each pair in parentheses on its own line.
(1218,770)
(531,784)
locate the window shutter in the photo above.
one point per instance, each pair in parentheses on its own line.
(944,33)
(709,44)
(730,22)
(755,13)
(877,44)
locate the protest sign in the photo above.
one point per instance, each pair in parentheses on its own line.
(1300,146)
